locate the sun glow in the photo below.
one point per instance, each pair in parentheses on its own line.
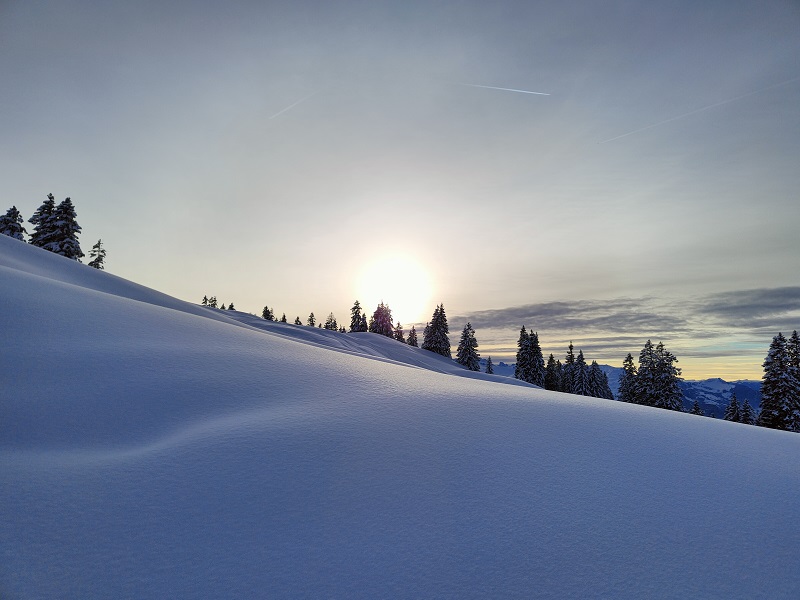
(400,282)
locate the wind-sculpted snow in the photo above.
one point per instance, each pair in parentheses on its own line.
(152,452)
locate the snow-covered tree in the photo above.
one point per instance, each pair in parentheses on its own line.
(63,230)
(696,410)
(223,307)
(747,414)
(597,381)
(312,320)
(11,224)
(230,306)
(522,369)
(537,360)
(205,300)
(399,334)
(780,389)
(297,321)
(412,337)
(732,412)
(656,381)
(98,256)
(381,321)
(212,302)
(627,382)
(43,230)
(283,318)
(435,339)
(489,366)
(356,318)
(267,314)
(467,351)
(580,376)
(568,370)
(552,380)
(331,324)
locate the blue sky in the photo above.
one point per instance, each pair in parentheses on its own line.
(659,176)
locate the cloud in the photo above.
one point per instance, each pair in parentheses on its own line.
(755,308)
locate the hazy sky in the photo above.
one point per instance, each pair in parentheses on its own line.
(272,153)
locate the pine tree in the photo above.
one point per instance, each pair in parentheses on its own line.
(696,410)
(551,378)
(364,326)
(667,392)
(283,318)
(355,317)
(98,256)
(212,302)
(11,224)
(230,306)
(43,230)
(342,329)
(779,389)
(311,320)
(522,370)
(64,230)
(381,322)
(412,337)
(606,388)
(596,387)
(223,307)
(267,314)
(297,321)
(489,366)
(399,334)
(732,412)
(467,352)
(644,386)
(205,300)
(331,324)
(435,338)
(580,377)
(560,374)
(537,360)
(656,380)
(746,414)
(568,370)
(627,382)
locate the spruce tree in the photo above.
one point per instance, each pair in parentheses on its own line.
(381,321)
(537,360)
(11,224)
(297,321)
(412,337)
(230,306)
(355,318)
(435,338)
(467,352)
(331,324)
(696,410)
(43,230)
(606,388)
(283,318)
(522,369)
(212,302)
(568,370)
(551,378)
(746,414)
(580,378)
(489,366)
(779,389)
(364,326)
(64,230)
(596,384)
(223,307)
(732,412)
(267,314)
(311,321)
(205,300)
(645,382)
(399,334)
(627,382)
(668,393)
(98,256)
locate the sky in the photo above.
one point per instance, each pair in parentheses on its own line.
(294,154)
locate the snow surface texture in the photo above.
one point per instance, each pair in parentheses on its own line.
(151,448)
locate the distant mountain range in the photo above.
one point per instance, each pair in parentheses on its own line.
(713,395)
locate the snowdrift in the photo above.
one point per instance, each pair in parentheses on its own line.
(150,448)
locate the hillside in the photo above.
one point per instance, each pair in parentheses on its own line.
(151,448)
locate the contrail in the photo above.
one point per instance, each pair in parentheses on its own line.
(694,112)
(291,106)
(491,87)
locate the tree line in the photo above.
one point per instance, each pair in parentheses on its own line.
(55,229)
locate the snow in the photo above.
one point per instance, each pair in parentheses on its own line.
(152,448)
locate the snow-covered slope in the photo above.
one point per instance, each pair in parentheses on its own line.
(149,450)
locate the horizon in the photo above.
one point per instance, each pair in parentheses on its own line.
(601,174)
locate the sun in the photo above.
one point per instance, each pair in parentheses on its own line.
(399,281)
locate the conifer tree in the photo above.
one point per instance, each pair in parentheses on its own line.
(580,377)
(668,392)
(381,321)
(696,410)
(560,374)
(355,317)
(412,337)
(606,388)
(537,360)
(596,387)
(64,230)
(331,324)
(732,412)
(364,326)
(11,224)
(435,338)
(212,302)
(223,307)
(297,321)
(283,318)
(489,366)
(780,389)
(43,231)
(627,382)
(522,370)
(551,378)
(399,334)
(311,321)
(267,314)
(98,256)
(568,370)
(746,414)
(205,300)
(467,351)
(230,306)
